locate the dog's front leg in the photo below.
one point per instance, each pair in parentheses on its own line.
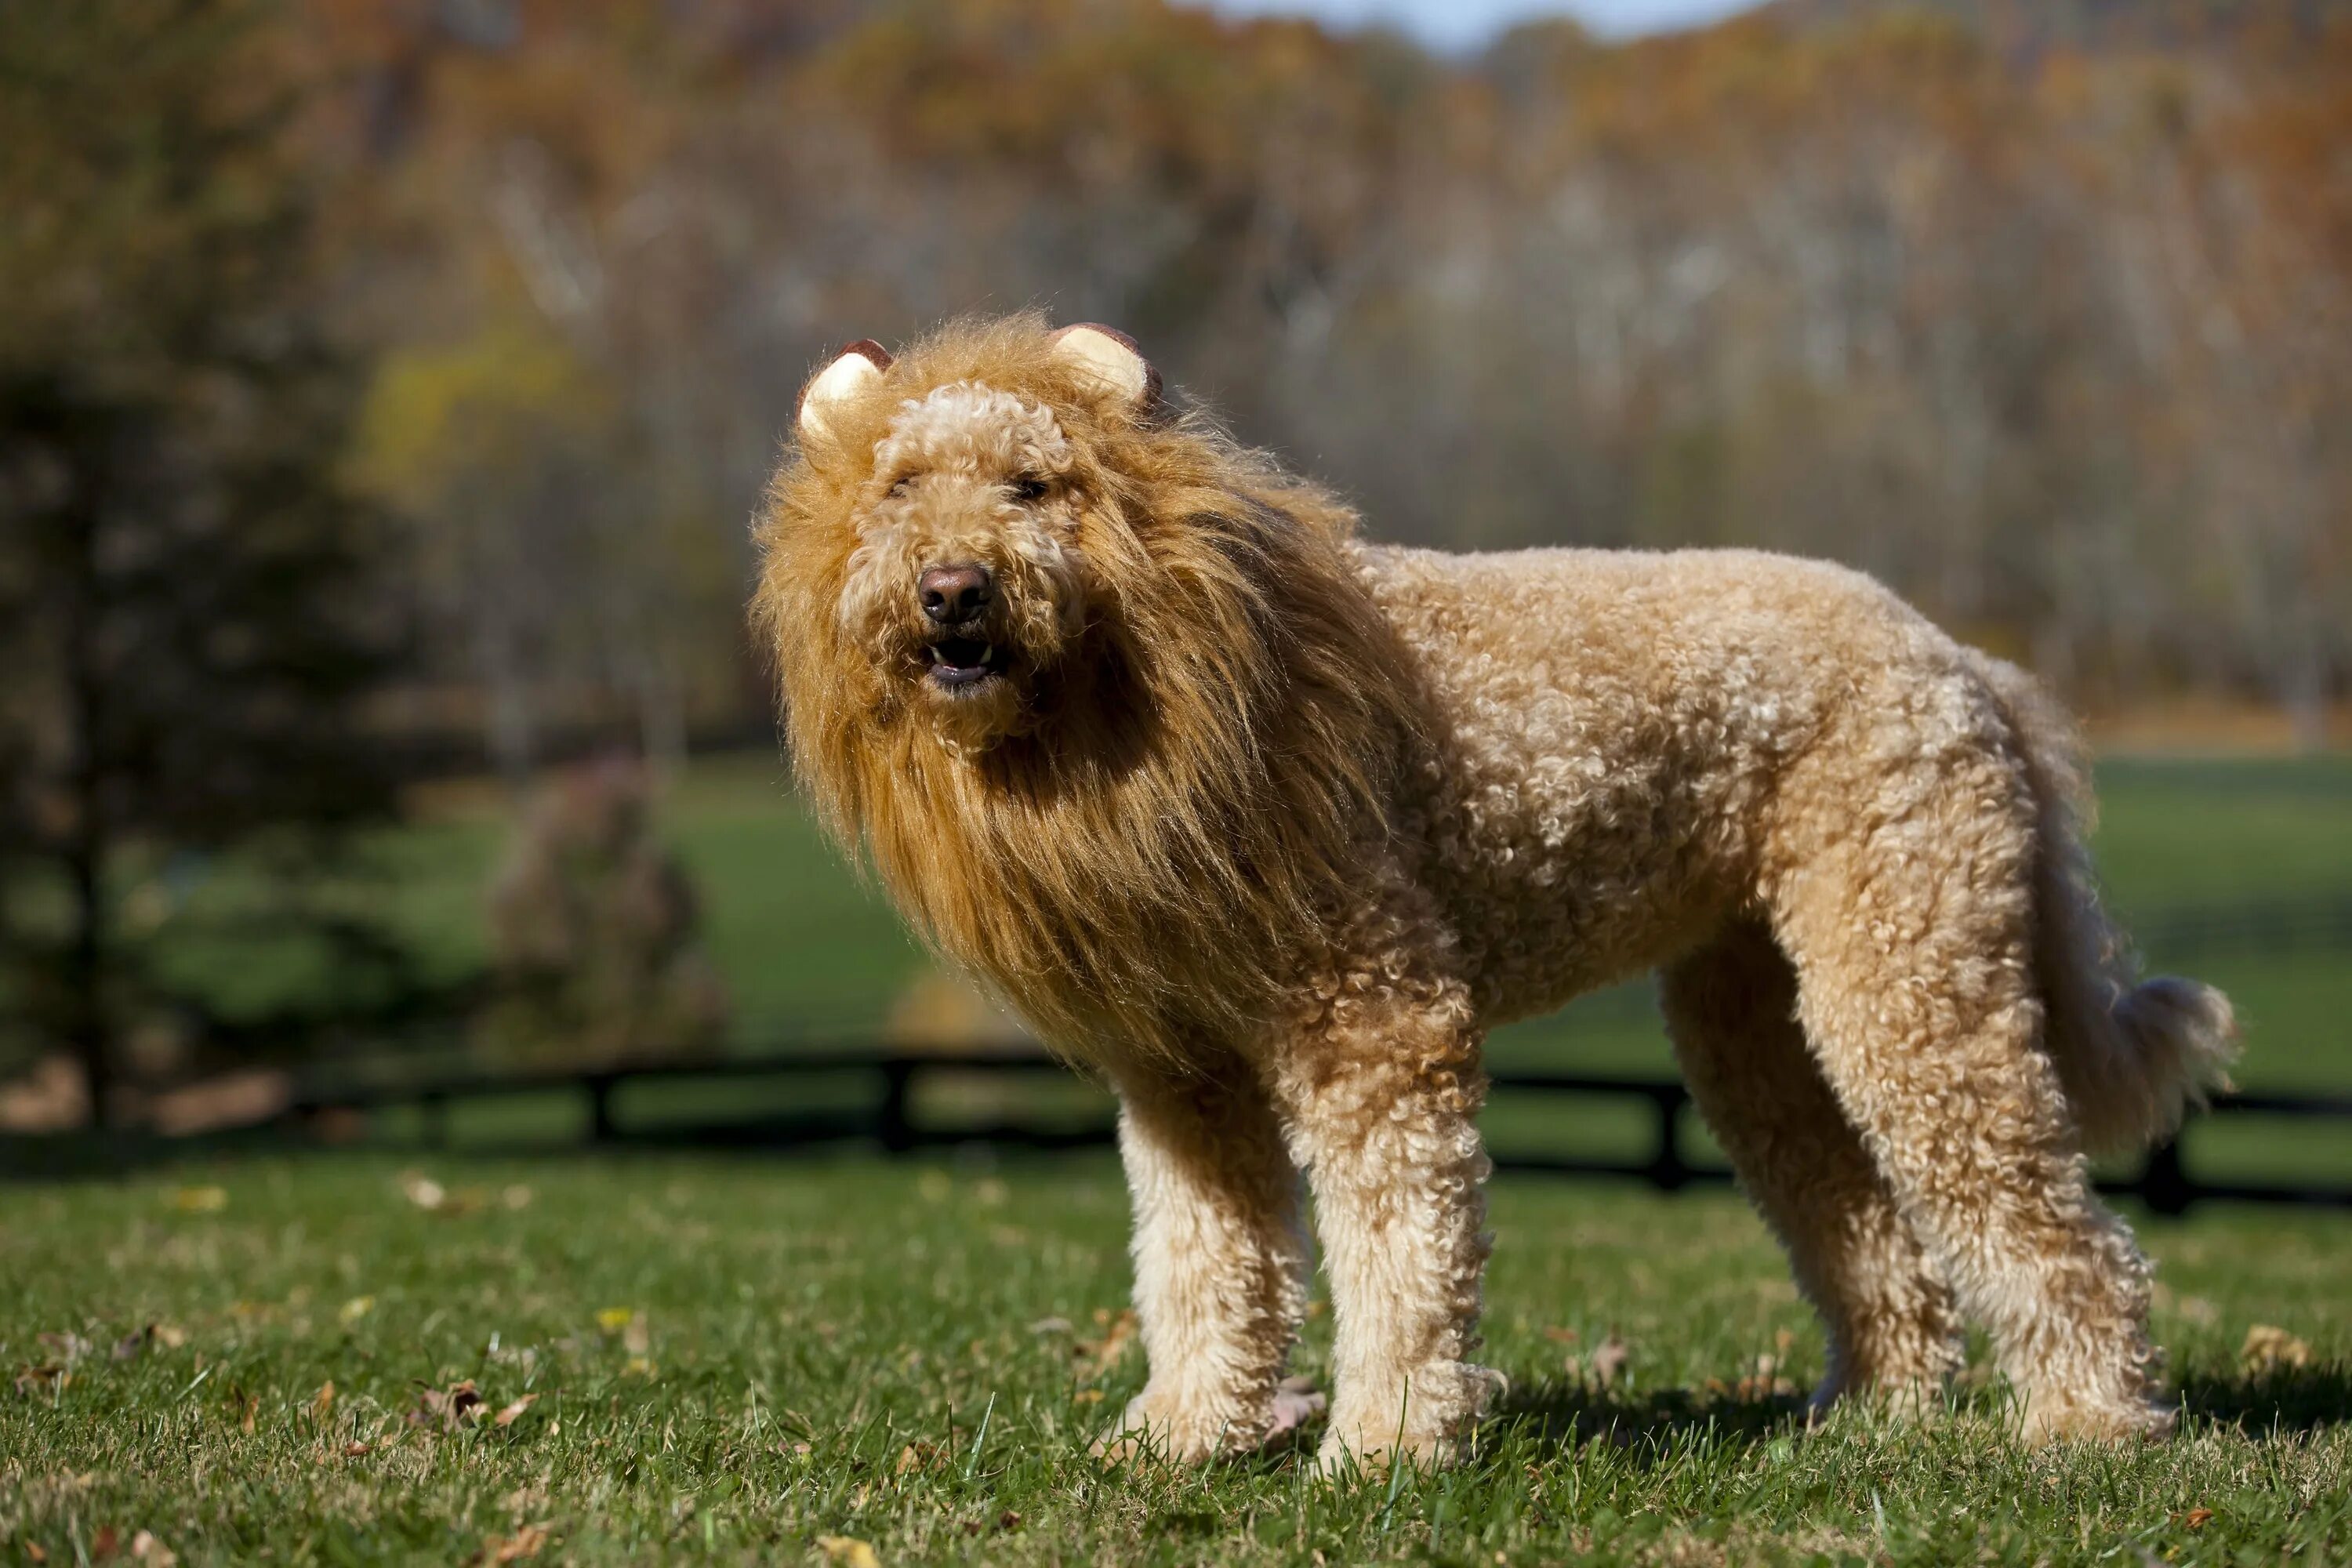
(1380,1089)
(1220,1259)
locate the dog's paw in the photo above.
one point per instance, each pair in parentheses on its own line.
(1427,1430)
(1183,1433)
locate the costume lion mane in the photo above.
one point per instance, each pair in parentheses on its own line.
(1267,824)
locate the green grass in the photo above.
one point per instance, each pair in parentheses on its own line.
(893,1354)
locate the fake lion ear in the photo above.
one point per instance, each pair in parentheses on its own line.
(859,366)
(1109,358)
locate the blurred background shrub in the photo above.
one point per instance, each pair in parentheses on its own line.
(593,928)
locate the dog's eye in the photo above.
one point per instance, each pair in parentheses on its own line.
(1027,488)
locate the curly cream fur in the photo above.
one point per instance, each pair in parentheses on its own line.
(1270,825)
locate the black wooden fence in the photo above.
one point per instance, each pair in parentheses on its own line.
(887,1115)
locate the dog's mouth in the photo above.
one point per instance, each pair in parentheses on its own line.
(961,663)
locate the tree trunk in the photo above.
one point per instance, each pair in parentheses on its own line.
(83,980)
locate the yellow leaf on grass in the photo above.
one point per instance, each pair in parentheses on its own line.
(200,1200)
(848,1551)
(355,1308)
(512,1413)
(423,1190)
(2269,1349)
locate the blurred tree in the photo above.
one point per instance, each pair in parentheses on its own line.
(2033,310)
(187,613)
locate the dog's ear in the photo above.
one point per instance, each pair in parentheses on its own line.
(1110,359)
(859,365)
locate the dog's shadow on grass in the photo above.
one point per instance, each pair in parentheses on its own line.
(2284,1399)
(1568,1413)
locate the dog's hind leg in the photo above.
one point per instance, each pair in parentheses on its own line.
(1904,894)
(1731,1010)
(1220,1258)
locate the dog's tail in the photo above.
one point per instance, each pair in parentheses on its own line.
(2133,1055)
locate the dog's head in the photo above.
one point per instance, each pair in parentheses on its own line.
(977,519)
(1103,694)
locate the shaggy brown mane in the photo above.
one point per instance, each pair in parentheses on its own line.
(1139,864)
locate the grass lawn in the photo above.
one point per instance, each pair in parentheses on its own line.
(730,1361)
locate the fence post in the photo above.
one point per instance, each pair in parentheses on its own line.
(1668,1171)
(894,1127)
(2165,1186)
(601,1126)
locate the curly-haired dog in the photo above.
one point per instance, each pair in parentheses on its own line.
(1268,825)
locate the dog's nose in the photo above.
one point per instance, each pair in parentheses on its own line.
(954,593)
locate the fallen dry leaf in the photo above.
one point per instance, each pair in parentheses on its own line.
(517,1196)
(1765,1381)
(447,1408)
(1086,1396)
(2198,1517)
(637,1336)
(246,1407)
(1561,1336)
(509,1416)
(70,1347)
(353,1450)
(918,1457)
(102,1545)
(355,1308)
(524,1543)
(1102,1354)
(1044,1326)
(2269,1349)
(170,1336)
(33,1382)
(146,1548)
(1608,1359)
(35,1552)
(423,1190)
(325,1400)
(199,1200)
(848,1551)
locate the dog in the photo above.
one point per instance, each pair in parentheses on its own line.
(1267,824)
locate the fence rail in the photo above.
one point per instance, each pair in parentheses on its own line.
(891,1117)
